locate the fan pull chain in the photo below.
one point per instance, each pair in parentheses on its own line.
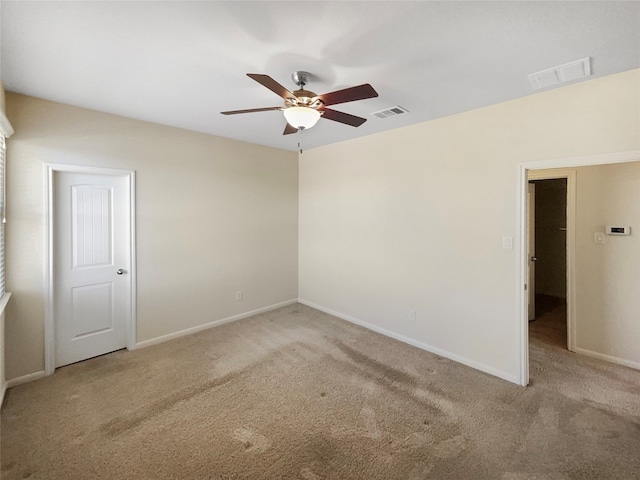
(300,141)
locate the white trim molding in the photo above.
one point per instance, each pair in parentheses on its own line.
(608,358)
(49,321)
(416,343)
(3,301)
(585,161)
(5,126)
(521,222)
(215,323)
(30,377)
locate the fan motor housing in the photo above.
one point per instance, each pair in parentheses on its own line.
(300,78)
(305,98)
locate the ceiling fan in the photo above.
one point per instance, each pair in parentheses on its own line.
(302,108)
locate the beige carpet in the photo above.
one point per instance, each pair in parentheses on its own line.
(550,325)
(297,394)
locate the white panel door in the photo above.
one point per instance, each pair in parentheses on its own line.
(531,249)
(92,256)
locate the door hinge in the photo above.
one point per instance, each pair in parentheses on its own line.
(525,286)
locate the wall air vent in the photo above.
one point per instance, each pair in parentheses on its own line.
(390,112)
(561,74)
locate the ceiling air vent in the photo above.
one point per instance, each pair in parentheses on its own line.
(390,112)
(560,74)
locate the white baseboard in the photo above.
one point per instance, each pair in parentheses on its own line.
(30,377)
(146,343)
(215,323)
(607,358)
(416,343)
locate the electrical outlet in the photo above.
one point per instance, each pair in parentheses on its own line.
(239,295)
(412,315)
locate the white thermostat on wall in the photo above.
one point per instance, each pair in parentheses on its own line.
(615,230)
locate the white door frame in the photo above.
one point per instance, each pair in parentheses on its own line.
(527,171)
(50,169)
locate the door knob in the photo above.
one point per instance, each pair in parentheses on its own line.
(533,259)
(121,271)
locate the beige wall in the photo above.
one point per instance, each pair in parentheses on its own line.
(608,276)
(413,218)
(213,216)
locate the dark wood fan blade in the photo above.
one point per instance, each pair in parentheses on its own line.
(352,94)
(288,130)
(251,110)
(271,84)
(342,117)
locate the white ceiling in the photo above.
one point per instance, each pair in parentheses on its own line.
(181,63)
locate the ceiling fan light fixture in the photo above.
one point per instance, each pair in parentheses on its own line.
(301,117)
(303,108)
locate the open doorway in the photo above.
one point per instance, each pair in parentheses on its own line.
(551,233)
(548,250)
(602,256)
